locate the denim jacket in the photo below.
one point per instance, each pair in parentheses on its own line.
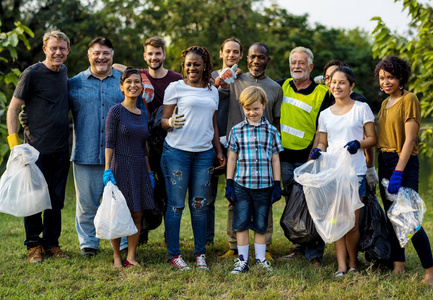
(90,99)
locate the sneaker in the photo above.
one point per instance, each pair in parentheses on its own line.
(241,266)
(268,256)
(266,265)
(56,252)
(339,274)
(35,254)
(200,262)
(316,262)
(353,271)
(229,253)
(179,263)
(89,252)
(295,254)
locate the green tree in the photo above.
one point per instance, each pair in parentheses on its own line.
(418,51)
(9,78)
(184,23)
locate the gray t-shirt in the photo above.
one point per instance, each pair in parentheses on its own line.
(273,92)
(45,94)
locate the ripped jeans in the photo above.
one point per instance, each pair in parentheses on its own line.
(186,170)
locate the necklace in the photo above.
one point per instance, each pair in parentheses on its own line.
(391,101)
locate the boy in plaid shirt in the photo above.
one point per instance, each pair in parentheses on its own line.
(254,164)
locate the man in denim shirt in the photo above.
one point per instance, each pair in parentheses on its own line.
(91,94)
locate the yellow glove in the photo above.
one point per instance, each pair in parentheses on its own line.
(13,140)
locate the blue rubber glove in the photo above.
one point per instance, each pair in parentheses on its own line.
(276,192)
(152,179)
(230,191)
(352,146)
(315,153)
(395,182)
(108,176)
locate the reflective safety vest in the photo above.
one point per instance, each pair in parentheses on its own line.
(299,115)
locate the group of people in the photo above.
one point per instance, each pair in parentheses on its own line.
(254,130)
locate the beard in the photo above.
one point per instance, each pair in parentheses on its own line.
(155,67)
(300,76)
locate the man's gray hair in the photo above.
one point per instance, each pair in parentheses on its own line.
(303,50)
(56,34)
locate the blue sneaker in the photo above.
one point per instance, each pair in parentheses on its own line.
(241,265)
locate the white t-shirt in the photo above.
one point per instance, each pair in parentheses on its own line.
(342,129)
(198,105)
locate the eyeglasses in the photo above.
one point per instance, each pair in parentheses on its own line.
(327,78)
(62,49)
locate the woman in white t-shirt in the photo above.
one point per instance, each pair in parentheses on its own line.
(350,122)
(189,116)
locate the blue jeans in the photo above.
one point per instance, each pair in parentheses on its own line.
(362,185)
(311,251)
(186,170)
(387,163)
(287,174)
(251,209)
(89,189)
(55,168)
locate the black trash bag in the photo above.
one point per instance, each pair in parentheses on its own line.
(374,237)
(157,133)
(297,224)
(152,218)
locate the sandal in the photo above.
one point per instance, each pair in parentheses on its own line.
(127,264)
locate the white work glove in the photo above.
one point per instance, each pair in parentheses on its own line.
(176,121)
(148,90)
(319,79)
(372,178)
(227,76)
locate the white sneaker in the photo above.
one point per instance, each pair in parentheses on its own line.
(265,265)
(200,262)
(178,262)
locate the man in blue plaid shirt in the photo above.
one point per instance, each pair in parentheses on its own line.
(253,148)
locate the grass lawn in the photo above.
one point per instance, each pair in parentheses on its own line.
(81,278)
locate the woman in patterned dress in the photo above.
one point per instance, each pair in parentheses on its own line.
(126,158)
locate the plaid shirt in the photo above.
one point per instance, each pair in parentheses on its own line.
(255,145)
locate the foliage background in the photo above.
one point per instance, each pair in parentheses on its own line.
(184,23)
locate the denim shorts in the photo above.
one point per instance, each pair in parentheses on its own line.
(362,183)
(251,209)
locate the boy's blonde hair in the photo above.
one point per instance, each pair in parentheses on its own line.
(252,94)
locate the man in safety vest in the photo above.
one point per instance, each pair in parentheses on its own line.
(299,114)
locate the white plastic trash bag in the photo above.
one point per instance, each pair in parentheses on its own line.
(23,189)
(113,218)
(331,192)
(405,213)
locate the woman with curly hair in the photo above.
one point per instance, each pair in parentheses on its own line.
(399,121)
(189,116)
